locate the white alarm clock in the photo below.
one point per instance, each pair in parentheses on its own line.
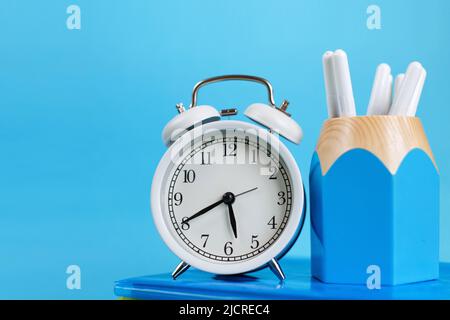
(227,197)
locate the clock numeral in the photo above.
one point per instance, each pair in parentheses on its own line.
(206,158)
(255,242)
(185,225)
(272,223)
(205,237)
(281,198)
(230,150)
(254,156)
(178,199)
(228,249)
(273,170)
(189,176)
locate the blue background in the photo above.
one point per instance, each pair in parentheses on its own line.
(81,113)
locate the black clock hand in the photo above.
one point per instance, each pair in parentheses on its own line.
(229,203)
(203,211)
(227,198)
(232,219)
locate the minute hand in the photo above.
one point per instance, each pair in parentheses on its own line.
(203,211)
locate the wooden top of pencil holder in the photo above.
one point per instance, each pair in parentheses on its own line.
(390,138)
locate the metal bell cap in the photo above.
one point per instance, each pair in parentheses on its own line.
(187,120)
(276,120)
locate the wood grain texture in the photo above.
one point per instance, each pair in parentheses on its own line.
(390,138)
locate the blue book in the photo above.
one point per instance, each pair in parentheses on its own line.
(263,285)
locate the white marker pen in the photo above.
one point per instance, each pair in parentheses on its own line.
(407,100)
(343,82)
(330,85)
(381,96)
(398,83)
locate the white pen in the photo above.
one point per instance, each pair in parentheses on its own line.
(381,96)
(412,108)
(343,82)
(408,97)
(330,85)
(398,83)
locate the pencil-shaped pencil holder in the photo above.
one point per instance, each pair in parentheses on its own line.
(374,189)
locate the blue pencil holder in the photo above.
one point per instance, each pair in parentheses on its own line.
(374,194)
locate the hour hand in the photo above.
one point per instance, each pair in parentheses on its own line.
(232,219)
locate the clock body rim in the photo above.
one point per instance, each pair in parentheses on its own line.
(278,249)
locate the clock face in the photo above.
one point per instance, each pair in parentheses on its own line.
(228,197)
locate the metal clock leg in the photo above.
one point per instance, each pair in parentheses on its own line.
(180,269)
(276,269)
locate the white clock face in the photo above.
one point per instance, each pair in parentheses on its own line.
(229,198)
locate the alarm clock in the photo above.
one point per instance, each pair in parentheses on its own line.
(227,197)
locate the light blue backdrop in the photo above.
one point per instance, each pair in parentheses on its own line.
(81,113)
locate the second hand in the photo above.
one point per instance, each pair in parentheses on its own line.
(245,192)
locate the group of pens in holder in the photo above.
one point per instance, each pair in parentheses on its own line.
(388,97)
(374,183)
